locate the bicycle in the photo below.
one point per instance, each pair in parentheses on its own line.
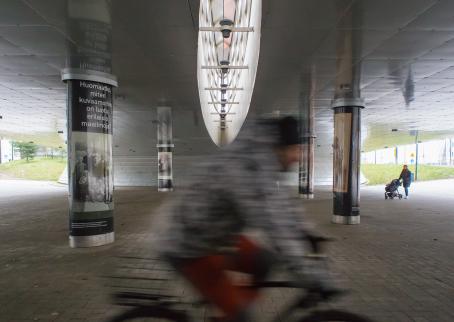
(167,308)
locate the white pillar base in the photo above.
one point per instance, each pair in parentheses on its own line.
(91,241)
(345,220)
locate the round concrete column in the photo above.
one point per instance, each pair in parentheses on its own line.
(165,149)
(306,170)
(90,174)
(346,160)
(306,116)
(90,112)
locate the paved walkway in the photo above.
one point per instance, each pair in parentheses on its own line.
(398,263)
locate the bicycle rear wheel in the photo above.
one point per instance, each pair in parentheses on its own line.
(334,316)
(151,312)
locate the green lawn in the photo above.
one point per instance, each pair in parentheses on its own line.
(383,173)
(38,169)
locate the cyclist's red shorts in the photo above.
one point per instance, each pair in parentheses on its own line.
(208,275)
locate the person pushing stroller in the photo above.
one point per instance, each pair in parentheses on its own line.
(406,177)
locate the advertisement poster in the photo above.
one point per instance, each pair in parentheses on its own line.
(165,148)
(90,160)
(341,148)
(165,165)
(164,126)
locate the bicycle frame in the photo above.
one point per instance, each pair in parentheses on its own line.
(164,309)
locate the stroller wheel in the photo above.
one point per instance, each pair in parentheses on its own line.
(400,196)
(386,196)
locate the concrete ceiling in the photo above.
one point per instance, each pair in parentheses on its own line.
(407,53)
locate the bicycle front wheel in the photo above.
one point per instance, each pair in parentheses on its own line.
(334,316)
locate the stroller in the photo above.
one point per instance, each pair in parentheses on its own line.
(392,189)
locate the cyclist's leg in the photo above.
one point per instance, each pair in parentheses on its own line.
(252,259)
(208,276)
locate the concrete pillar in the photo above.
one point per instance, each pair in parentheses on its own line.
(450,152)
(90,84)
(347,156)
(165,149)
(306,173)
(347,105)
(306,164)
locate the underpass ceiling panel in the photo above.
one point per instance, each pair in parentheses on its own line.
(432,84)
(20,82)
(369,39)
(50,9)
(449,89)
(379,67)
(443,52)
(8,94)
(325,67)
(447,73)
(309,15)
(404,43)
(373,94)
(51,82)
(411,44)
(8,48)
(426,68)
(56,62)
(391,14)
(51,41)
(16,12)
(125,45)
(55,94)
(439,17)
(382,85)
(275,51)
(27,65)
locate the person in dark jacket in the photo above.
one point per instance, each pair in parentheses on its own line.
(405,176)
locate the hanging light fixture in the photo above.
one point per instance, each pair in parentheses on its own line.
(230,81)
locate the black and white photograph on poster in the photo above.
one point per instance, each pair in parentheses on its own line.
(92,184)
(164,125)
(165,165)
(342,137)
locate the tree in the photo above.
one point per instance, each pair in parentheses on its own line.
(27,149)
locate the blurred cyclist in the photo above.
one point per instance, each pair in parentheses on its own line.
(232,192)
